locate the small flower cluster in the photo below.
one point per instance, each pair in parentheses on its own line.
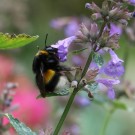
(100,36)
(6,97)
(113,12)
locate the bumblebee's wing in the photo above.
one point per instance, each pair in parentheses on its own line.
(36,64)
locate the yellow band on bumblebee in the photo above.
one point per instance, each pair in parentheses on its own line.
(48,75)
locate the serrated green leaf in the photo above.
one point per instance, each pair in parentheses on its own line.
(20,127)
(8,41)
(119,105)
(98,59)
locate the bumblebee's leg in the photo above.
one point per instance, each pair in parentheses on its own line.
(64,68)
(70,72)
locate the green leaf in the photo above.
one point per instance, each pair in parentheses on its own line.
(61,92)
(98,59)
(20,127)
(119,105)
(8,41)
(79,51)
(92,86)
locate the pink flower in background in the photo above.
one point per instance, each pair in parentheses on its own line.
(33,112)
(6,67)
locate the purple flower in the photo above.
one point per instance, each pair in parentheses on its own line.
(77,60)
(62,46)
(62,53)
(111,93)
(93,65)
(109,84)
(71,28)
(114,57)
(69,24)
(114,67)
(132,2)
(82,101)
(115,30)
(58,23)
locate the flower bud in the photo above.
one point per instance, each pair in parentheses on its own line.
(113,11)
(74,84)
(96,16)
(94,30)
(84,30)
(123,22)
(88,5)
(95,8)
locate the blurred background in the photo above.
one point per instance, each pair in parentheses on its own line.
(85,118)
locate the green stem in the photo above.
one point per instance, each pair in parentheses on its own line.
(101,29)
(87,65)
(71,99)
(106,121)
(67,108)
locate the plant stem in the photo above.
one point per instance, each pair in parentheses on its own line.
(87,65)
(71,99)
(67,108)
(106,121)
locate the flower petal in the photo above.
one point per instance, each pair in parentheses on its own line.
(108,82)
(114,57)
(111,93)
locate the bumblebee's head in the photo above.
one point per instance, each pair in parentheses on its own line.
(51,50)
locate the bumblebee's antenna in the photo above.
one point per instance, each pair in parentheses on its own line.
(46,39)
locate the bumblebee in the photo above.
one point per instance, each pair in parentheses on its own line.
(47,68)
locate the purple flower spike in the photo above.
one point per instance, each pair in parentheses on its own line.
(114,67)
(62,46)
(111,94)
